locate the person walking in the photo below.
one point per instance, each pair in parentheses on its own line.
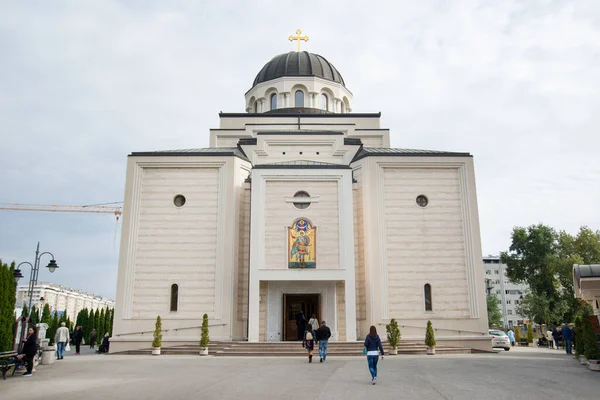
(567,337)
(30,348)
(93,336)
(77,338)
(323,334)
(373,348)
(555,336)
(550,340)
(309,342)
(61,338)
(300,325)
(314,322)
(511,337)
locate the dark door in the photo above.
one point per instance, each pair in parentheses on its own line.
(294,304)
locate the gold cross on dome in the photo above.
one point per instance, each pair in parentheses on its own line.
(298,37)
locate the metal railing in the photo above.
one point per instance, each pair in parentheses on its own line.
(166,330)
(440,329)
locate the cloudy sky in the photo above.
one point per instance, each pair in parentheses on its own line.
(84,83)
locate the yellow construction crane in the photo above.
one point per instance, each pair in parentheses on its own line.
(96,208)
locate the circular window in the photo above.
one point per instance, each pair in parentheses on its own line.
(304,204)
(179,200)
(422,201)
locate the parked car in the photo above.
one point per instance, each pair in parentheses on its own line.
(499,339)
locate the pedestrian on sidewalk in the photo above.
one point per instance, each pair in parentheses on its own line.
(300,325)
(93,336)
(567,336)
(77,338)
(323,334)
(373,349)
(30,348)
(309,342)
(549,337)
(61,338)
(511,337)
(555,337)
(314,322)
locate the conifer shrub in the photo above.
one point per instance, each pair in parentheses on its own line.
(204,338)
(530,333)
(429,335)
(393,333)
(157,342)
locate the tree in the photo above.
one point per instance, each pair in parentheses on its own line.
(111,321)
(91,323)
(494,314)
(530,333)
(393,333)
(101,324)
(204,338)
(54,324)
(429,335)
(25,311)
(46,315)
(517,334)
(590,345)
(34,315)
(8,289)
(537,308)
(157,341)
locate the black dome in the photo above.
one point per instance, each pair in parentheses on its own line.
(298,64)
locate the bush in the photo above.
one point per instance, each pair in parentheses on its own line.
(530,333)
(429,335)
(579,342)
(517,334)
(591,350)
(393,333)
(157,342)
(204,338)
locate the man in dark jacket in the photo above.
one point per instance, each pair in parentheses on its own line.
(323,335)
(29,350)
(300,324)
(567,336)
(555,337)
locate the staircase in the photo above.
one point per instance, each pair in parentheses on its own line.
(290,349)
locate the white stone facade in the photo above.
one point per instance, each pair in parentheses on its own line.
(225,251)
(61,298)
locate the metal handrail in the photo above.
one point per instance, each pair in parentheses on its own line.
(166,330)
(440,329)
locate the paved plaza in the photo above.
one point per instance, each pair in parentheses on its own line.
(524,373)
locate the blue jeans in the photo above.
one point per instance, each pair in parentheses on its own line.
(323,349)
(60,349)
(372,360)
(568,343)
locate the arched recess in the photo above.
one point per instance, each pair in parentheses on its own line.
(250,106)
(174,297)
(304,97)
(346,105)
(328,94)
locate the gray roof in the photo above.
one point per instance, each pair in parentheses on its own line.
(302,164)
(204,152)
(380,151)
(298,64)
(586,271)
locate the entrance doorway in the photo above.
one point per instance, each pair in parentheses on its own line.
(293,304)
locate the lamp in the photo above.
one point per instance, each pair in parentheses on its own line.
(52,266)
(17,275)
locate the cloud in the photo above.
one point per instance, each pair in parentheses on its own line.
(516,83)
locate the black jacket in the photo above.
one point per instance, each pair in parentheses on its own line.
(323,333)
(78,336)
(30,347)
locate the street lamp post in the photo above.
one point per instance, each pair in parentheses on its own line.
(33,277)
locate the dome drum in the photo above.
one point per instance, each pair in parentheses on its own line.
(298,82)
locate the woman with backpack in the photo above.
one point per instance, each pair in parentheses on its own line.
(372,349)
(309,342)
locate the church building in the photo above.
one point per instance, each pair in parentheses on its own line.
(299,204)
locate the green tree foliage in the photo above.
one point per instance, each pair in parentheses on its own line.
(34,315)
(157,341)
(46,315)
(7,305)
(579,342)
(54,324)
(110,321)
(204,338)
(537,308)
(543,258)
(429,335)
(590,345)
(25,311)
(517,334)
(494,314)
(393,333)
(530,333)
(91,323)
(102,324)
